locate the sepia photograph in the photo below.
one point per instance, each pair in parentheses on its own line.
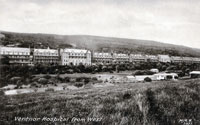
(99,62)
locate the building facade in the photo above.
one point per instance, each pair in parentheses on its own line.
(75,56)
(187,59)
(152,58)
(176,59)
(120,58)
(45,56)
(102,58)
(16,55)
(196,60)
(164,58)
(137,58)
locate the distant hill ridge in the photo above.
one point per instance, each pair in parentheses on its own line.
(95,43)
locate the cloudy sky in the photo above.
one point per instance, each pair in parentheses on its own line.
(170,21)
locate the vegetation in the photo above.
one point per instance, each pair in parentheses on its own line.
(163,103)
(147,79)
(96,43)
(11,74)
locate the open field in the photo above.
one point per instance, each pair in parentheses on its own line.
(162,103)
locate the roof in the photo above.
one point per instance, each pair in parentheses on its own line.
(166,74)
(14,49)
(164,56)
(195,72)
(121,55)
(136,55)
(76,50)
(46,50)
(154,70)
(130,77)
(176,57)
(102,54)
(187,58)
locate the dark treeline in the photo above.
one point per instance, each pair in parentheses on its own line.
(98,44)
(25,72)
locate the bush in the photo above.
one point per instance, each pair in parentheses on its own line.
(147,79)
(1,93)
(47,76)
(169,77)
(138,73)
(34,84)
(67,79)
(127,95)
(78,84)
(86,80)
(145,72)
(49,90)
(94,79)
(43,81)
(79,79)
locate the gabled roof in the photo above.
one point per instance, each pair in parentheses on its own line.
(46,50)
(14,49)
(76,50)
(195,72)
(164,56)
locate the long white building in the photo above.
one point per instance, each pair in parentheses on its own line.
(151,58)
(75,56)
(102,58)
(164,58)
(45,56)
(16,55)
(137,58)
(120,58)
(176,59)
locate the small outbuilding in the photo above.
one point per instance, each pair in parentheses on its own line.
(166,76)
(154,70)
(195,74)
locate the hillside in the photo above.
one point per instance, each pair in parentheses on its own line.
(97,43)
(156,103)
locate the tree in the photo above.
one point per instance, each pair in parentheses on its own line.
(5,60)
(147,79)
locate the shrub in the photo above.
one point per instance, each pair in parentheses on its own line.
(94,79)
(67,79)
(34,84)
(144,72)
(86,80)
(49,90)
(147,79)
(78,84)
(138,73)
(127,96)
(50,82)
(43,81)
(47,76)
(169,77)
(1,93)
(79,79)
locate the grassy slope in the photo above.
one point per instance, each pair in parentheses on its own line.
(158,102)
(99,43)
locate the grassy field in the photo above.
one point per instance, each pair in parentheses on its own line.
(161,103)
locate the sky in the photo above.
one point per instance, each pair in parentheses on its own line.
(169,21)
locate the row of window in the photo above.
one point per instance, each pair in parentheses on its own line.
(14,53)
(19,56)
(45,57)
(46,54)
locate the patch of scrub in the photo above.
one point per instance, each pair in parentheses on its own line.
(18,91)
(103,84)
